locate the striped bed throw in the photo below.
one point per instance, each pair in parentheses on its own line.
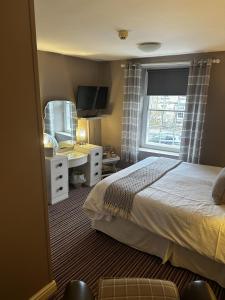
(119,195)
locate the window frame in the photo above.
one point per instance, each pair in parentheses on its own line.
(145,110)
(145,104)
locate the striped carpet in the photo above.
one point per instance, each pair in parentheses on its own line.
(78,252)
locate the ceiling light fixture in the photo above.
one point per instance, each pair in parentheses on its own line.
(149,47)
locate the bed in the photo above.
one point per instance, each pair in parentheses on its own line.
(174,218)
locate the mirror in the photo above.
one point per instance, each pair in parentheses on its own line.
(60,120)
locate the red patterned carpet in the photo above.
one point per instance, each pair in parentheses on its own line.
(79,252)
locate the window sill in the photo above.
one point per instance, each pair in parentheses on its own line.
(161,152)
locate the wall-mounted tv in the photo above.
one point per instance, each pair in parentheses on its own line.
(91,99)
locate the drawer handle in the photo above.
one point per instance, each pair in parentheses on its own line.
(59,189)
(59,177)
(96,164)
(59,165)
(96,154)
(96,173)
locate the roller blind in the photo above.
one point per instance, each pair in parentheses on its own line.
(171,82)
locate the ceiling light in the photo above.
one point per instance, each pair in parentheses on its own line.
(148,47)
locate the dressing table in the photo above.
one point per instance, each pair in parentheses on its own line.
(60,117)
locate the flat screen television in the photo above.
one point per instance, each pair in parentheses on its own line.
(90,100)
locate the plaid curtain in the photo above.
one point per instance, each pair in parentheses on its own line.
(49,119)
(197,92)
(131,113)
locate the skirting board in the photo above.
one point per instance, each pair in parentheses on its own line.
(46,292)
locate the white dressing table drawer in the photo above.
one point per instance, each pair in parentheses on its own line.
(96,154)
(59,189)
(57,178)
(59,165)
(96,165)
(96,173)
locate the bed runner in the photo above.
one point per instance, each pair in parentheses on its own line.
(119,195)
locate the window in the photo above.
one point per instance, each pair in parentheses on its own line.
(163,109)
(163,122)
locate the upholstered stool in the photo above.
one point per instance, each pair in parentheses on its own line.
(137,288)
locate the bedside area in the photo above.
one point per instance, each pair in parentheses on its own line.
(109,165)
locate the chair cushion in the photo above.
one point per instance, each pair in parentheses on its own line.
(137,288)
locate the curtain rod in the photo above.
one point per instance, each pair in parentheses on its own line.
(180,63)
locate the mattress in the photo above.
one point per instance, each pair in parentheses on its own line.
(145,241)
(178,207)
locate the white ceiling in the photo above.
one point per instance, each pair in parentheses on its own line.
(88,28)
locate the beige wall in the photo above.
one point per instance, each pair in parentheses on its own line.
(59,75)
(214,139)
(111,123)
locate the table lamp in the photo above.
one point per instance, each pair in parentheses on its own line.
(82,136)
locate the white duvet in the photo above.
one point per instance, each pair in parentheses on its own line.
(178,207)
